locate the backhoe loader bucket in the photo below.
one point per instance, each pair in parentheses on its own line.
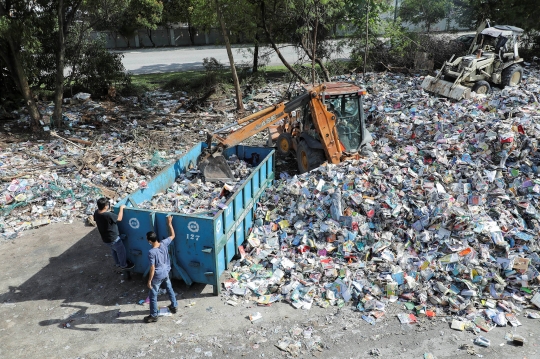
(215,168)
(445,88)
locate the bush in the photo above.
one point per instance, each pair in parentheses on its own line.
(529,47)
(96,69)
(397,48)
(441,48)
(212,65)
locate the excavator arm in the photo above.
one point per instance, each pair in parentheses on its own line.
(325,124)
(214,166)
(256,123)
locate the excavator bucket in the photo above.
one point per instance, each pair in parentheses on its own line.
(215,168)
(445,88)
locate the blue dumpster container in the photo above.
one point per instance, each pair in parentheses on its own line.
(203,245)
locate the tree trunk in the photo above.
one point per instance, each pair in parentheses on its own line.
(60,60)
(314,52)
(274,46)
(256,53)
(367,44)
(240,104)
(326,73)
(149,33)
(16,69)
(191,32)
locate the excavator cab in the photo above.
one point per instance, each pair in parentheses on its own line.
(344,104)
(350,122)
(349,119)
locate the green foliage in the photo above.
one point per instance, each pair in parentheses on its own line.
(146,13)
(426,12)
(520,13)
(19,44)
(196,13)
(138,14)
(4,25)
(97,69)
(358,15)
(365,13)
(105,14)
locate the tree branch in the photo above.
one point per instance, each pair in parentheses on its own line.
(317,60)
(69,17)
(274,46)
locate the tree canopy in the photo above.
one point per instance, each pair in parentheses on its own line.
(426,12)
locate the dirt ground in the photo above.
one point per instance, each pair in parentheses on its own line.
(63,274)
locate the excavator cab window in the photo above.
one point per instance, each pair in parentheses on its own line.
(307,124)
(349,112)
(490,43)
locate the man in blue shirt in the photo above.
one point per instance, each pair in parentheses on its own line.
(160,266)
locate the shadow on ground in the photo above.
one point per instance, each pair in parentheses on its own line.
(174,67)
(113,316)
(85,274)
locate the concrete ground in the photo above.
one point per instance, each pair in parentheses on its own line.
(62,275)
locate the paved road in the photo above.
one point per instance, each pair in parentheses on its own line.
(146,61)
(172,59)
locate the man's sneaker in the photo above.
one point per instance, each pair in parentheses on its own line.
(150,319)
(173,309)
(129,265)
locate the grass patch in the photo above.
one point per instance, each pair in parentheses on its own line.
(199,82)
(275,72)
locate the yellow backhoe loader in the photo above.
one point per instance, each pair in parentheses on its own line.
(324,123)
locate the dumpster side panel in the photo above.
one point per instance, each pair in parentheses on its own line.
(194,247)
(247,193)
(134,226)
(238,204)
(229,215)
(240,235)
(230,248)
(203,246)
(193,242)
(256,181)
(220,262)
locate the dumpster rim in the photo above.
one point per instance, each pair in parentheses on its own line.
(201,216)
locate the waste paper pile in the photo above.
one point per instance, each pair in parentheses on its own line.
(192,194)
(441,214)
(58,182)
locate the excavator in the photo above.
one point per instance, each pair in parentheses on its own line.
(492,59)
(325,122)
